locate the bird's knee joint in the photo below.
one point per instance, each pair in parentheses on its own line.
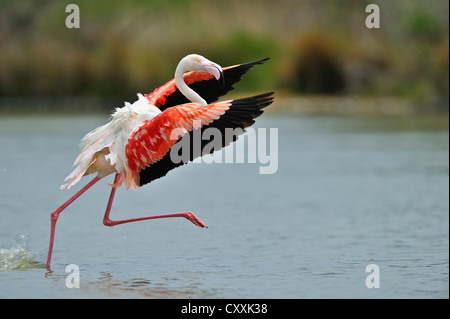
(108,222)
(54,216)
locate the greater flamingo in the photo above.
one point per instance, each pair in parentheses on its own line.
(135,144)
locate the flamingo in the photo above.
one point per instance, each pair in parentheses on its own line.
(135,144)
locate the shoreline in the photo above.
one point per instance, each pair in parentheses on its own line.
(302,105)
(359,105)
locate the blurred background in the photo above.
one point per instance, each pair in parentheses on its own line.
(362,152)
(316,48)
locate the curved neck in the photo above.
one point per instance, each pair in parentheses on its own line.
(189,93)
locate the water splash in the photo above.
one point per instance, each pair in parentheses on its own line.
(18,255)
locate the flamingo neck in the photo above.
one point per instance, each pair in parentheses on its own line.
(189,93)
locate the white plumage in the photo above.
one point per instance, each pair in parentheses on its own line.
(103,149)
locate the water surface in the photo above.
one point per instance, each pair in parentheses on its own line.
(348,192)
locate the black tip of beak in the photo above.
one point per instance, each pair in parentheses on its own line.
(222,79)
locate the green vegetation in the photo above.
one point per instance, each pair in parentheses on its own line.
(317,47)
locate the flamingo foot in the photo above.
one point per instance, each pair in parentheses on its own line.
(194,219)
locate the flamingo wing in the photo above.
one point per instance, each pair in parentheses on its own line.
(203,83)
(151,141)
(238,113)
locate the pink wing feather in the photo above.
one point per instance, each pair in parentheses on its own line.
(153,139)
(158,96)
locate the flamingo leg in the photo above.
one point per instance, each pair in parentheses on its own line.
(108,222)
(55,214)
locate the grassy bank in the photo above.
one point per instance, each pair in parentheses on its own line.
(316,47)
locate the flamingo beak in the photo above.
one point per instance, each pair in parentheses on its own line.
(215,70)
(222,79)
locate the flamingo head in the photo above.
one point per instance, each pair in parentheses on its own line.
(198,63)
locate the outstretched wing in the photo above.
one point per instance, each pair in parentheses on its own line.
(151,141)
(203,83)
(239,113)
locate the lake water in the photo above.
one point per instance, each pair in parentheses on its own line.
(348,192)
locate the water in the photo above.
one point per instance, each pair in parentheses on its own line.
(348,192)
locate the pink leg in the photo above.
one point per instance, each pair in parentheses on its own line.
(55,214)
(108,222)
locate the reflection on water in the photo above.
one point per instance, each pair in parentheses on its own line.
(112,285)
(348,192)
(138,288)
